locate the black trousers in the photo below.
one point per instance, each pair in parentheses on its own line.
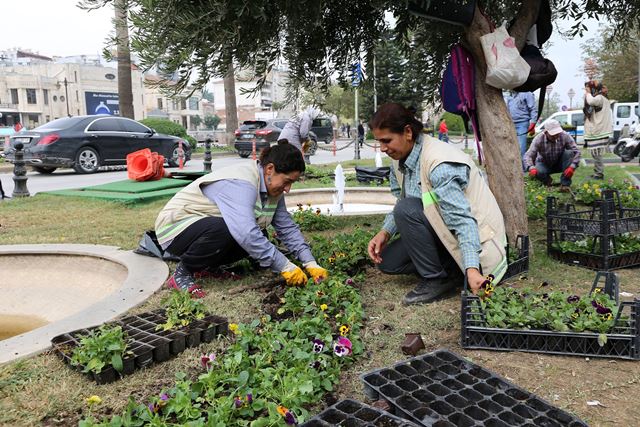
(206,243)
(418,251)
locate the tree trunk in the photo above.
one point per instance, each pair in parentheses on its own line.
(125,92)
(231,110)
(501,151)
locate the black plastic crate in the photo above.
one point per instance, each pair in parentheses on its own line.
(604,222)
(444,389)
(350,412)
(622,342)
(521,264)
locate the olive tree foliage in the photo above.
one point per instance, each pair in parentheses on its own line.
(318,39)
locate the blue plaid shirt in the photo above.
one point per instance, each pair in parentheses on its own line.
(448,181)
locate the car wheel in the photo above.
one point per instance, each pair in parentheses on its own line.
(174,161)
(87,160)
(243,154)
(47,170)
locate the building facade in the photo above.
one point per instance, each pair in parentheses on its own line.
(35,89)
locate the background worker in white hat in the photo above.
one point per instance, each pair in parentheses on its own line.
(552,151)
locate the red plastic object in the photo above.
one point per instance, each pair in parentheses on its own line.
(144,165)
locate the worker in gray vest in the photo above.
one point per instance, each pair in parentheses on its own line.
(447,219)
(220,218)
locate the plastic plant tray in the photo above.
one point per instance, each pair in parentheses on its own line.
(443,389)
(606,220)
(623,341)
(521,264)
(350,412)
(149,343)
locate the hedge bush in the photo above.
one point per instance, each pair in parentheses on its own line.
(169,128)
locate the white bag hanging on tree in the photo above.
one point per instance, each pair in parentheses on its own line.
(505,67)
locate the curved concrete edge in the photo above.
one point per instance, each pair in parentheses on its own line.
(145,275)
(379,195)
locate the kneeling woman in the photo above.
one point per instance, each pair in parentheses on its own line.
(220,218)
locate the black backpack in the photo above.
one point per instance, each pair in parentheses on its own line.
(542,73)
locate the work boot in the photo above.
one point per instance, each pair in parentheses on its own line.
(429,290)
(184,281)
(548,182)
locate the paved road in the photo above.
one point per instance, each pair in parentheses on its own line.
(66,178)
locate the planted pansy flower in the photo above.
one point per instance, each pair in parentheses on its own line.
(289,418)
(342,347)
(238,402)
(600,309)
(249,398)
(349,282)
(233,327)
(93,400)
(344,330)
(319,294)
(318,211)
(315,364)
(323,307)
(157,406)
(206,360)
(318,345)
(607,316)
(573,298)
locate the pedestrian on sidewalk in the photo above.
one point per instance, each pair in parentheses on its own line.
(552,151)
(443,131)
(524,114)
(598,124)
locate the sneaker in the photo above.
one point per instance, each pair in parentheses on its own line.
(565,189)
(184,281)
(429,291)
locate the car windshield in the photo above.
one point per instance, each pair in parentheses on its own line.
(58,124)
(252,124)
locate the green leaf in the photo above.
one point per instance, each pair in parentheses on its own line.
(602,339)
(326,383)
(306,387)
(116,362)
(243,378)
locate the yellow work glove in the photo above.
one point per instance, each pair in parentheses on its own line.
(305,145)
(293,275)
(318,273)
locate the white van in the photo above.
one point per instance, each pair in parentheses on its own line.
(569,117)
(624,113)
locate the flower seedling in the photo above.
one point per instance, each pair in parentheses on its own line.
(104,346)
(181,310)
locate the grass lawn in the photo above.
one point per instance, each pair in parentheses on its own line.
(43,391)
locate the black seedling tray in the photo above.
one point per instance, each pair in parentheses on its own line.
(606,220)
(148,342)
(623,341)
(443,389)
(140,355)
(350,412)
(520,265)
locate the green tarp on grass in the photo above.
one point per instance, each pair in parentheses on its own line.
(128,191)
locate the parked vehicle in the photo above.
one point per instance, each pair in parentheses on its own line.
(628,148)
(87,142)
(263,132)
(267,132)
(323,129)
(570,118)
(624,113)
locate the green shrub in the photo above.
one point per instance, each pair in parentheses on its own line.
(165,126)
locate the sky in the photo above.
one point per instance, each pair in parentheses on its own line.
(60,28)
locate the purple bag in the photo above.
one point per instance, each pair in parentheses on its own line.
(458,89)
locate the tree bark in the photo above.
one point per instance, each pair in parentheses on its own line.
(501,151)
(125,92)
(231,110)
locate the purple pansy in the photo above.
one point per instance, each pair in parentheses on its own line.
(290,419)
(573,298)
(342,347)
(349,281)
(206,360)
(315,364)
(600,309)
(318,345)
(249,398)
(238,402)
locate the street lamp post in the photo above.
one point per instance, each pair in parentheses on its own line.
(549,90)
(571,94)
(66,95)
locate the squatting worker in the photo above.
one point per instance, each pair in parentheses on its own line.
(447,219)
(220,218)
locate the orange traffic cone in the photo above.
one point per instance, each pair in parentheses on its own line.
(143,165)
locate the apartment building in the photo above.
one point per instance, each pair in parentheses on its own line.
(35,89)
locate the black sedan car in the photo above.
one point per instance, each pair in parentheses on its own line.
(87,142)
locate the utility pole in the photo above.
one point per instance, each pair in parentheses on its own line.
(356,144)
(571,94)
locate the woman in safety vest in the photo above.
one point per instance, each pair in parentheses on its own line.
(220,218)
(445,209)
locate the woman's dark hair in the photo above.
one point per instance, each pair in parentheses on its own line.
(395,117)
(284,156)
